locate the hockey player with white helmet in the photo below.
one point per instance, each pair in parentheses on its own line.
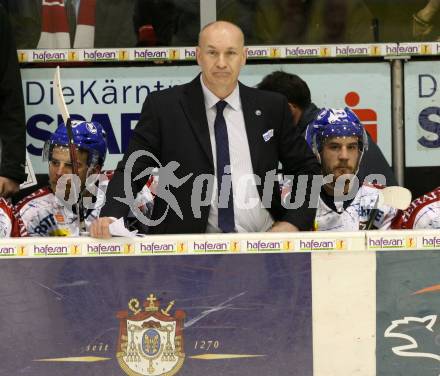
(339,140)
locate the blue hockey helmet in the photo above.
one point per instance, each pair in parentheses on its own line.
(88,136)
(335,123)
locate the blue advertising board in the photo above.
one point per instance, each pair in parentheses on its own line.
(186,315)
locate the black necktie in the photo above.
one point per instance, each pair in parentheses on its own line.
(226,221)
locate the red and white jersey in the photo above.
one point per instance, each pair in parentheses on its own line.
(10,224)
(44,214)
(356,215)
(423,212)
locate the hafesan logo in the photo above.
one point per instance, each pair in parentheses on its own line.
(174,54)
(22,57)
(72,56)
(275,52)
(340,245)
(123,55)
(325,51)
(75,249)
(425,49)
(128,249)
(375,50)
(410,242)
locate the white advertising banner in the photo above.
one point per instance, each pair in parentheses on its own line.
(422,114)
(114,97)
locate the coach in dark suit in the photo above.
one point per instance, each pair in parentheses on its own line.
(206,126)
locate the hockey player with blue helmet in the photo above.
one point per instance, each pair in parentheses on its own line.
(87,136)
(344,125)
(339,140)
(49,211)
(44,212)
(90,141)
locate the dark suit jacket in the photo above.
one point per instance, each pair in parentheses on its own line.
(173,127)
(12,116)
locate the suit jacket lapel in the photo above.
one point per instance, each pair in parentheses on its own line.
(254,124)
(193,104)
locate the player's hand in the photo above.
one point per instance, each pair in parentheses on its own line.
(100,228)
(8,187)
(283,227)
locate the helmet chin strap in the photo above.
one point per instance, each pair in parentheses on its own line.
(359,162)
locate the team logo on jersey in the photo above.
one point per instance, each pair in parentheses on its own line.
(59,217)
(150,339)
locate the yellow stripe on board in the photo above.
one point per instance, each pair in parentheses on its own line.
(223,356)
(80,359)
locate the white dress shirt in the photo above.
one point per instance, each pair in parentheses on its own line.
(249,214)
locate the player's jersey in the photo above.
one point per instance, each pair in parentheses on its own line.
(356,215)
(44,214)
(423,212)
(10,224)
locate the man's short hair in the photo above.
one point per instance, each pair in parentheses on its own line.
(290,85)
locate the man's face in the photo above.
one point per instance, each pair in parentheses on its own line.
(221,55)
(340,155)
(60,164)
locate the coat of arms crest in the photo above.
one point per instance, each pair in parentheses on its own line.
(150,339)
